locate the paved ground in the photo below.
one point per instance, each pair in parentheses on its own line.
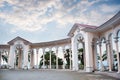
(50,75)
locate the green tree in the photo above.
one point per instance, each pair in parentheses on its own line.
(67,57)
(53,59)
(4,56)
(81,55)
(104,56)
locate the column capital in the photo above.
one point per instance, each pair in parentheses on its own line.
(100,43)
(70,50)
(92,44)
(56,48)
(63,47)
(107,42)
(37,49)
(63,50)
(43,49)
(116,39)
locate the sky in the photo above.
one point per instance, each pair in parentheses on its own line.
(48,20)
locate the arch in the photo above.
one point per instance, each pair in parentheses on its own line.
(112,50)
(102,38)
(116,31)
(77,39)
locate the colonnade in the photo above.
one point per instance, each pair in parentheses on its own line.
(109,52)
(37,51)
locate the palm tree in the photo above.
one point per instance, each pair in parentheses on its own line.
(104,56)
(67,57)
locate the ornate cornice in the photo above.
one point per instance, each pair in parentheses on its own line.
(4,46)
(51,43)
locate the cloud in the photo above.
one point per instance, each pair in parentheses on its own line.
(1,3)
(109,8)
(33,15)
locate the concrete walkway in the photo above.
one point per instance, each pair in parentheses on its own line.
(112,74)
(50,75)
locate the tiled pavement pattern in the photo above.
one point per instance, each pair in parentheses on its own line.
(50,75)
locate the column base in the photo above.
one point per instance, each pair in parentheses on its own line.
(89,69)
(25,67)
(118,72)
(43,67)
(75,69)
(110,70)
(11,67)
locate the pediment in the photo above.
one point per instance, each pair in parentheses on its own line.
(82,26)
(18,39)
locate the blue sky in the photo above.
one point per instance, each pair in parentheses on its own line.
(47,20)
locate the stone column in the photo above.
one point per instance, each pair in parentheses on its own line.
(11,61)
(117,50)
(19,59)
(100,56)
(107,52)
(74,54)
(109,55)
(50,57)
(8,55)
(32,59)
(37,51)
(43,58)
(88,52)
(25,60)
(63,57)
(56,58)
(94,56)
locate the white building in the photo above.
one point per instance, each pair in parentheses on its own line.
(92,39)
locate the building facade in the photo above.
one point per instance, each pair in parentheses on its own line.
(99,43)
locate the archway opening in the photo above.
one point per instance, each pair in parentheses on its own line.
(113,54)
(81,52)
(18,56)
(104,55)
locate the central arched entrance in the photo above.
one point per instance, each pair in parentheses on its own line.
(18,56)
(78,52)
(81,52)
